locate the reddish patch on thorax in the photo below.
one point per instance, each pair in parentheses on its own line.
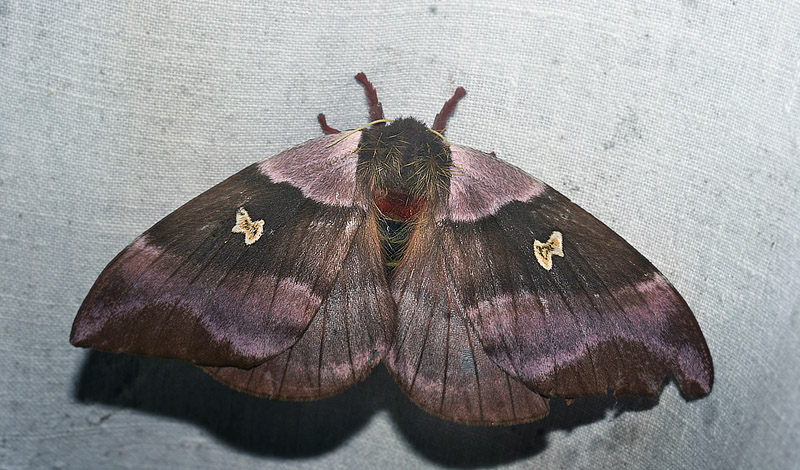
(398,205)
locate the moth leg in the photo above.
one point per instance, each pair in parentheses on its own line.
(324,124)
(375,107)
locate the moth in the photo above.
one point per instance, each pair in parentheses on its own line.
(484,291)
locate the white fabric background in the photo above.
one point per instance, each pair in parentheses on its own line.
(675,122)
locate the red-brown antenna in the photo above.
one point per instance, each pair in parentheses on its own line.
(375,107)
(440,123)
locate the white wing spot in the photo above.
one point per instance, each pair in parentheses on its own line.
(252,230)
(544,251)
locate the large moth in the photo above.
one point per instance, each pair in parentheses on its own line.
(483,290)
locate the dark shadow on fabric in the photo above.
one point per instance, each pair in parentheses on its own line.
(304,429)
(252,424)
(458,446)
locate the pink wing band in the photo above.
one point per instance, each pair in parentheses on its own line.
(324,174)
(481,184)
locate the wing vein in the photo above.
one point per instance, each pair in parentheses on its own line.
(285,370)
(424,341)
(324,312)
(209,259)
(448,318)
(166,318)
(452,298)
(420,286)
(475,368)
(511,397)
(345,318)
(230,268)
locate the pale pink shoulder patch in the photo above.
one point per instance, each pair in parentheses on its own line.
(481,184)
(323,172)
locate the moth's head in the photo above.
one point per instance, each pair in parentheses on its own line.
(405,165)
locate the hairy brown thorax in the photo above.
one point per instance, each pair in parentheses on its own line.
(405,166)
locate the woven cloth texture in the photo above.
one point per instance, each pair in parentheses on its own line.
(676,123)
